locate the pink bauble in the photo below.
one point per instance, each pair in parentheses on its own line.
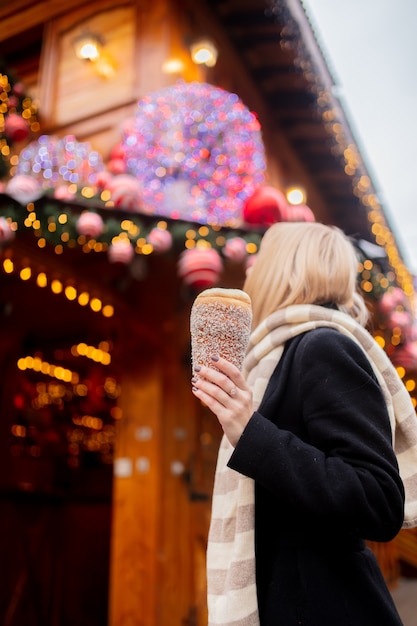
(6,232)
(121,252)
(266,206)
(13,102)
(200,268)
(125,192)
(103,179)
(400,319)
(19,89)
(15,127)
(24,188)
(300,213)
(62,192)
(391,299)
(160,239)
(235,249)
(90,224)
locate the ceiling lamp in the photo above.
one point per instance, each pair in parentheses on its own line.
(88,46)
(296,195)
(204,52)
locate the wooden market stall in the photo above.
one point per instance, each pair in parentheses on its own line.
(106,459)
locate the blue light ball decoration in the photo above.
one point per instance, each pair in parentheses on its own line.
(54,162)
(197,151)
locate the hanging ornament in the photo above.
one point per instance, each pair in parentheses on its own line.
(235,249)
(160,239)
(200,268)
(64,192)
(54,161)
(90,224)
(197,151)
(103,180)
(117,161)
(400,323)
(126,192)
(24,188)
(266,206)
(399,319)
(300,213)
(16,128)
(121,251)
(392,299)
(6,232)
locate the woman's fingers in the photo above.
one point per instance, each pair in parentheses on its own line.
(226,394)
(218,388)
(228,378)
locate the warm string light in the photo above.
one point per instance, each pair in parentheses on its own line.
(372,280)
(85,433)
(362,188)
(57,287)
(48,369)
(98,354)
(291,39)
(18,122)
(56,225)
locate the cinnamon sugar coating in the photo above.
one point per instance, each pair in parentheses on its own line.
(220,324)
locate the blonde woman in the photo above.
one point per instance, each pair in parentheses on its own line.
(307,469)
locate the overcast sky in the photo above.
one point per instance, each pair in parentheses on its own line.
(371,49)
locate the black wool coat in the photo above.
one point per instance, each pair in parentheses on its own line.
(326,479)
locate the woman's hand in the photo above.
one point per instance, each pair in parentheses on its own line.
(226,394)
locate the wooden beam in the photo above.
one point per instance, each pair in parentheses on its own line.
(21,15)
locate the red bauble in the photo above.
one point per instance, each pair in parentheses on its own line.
(200,268)
(116,166)
(15,127)
(300,213)
(266,206)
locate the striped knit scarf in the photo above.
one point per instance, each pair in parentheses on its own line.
(231,583)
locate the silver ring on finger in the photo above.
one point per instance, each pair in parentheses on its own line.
(233,391)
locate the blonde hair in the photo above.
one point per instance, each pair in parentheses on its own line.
(304,263)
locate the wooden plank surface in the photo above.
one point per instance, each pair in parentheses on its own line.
(18,16)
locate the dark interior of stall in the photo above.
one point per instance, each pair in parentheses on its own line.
(59,418)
